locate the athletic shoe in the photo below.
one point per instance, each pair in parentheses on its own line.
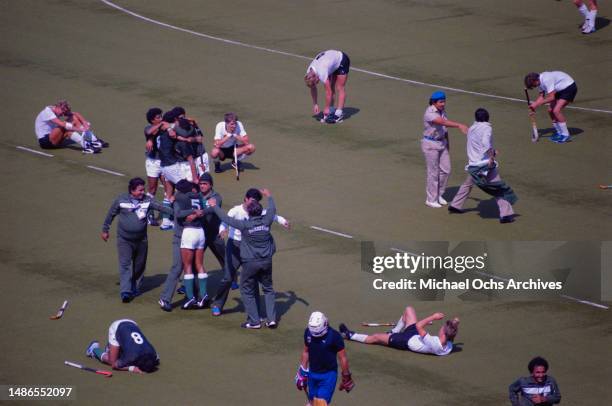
(103,144)
(345,332)
(442,201)
(331,119)
(251,326)
(190,304)
(126,297)
(165,305)
(588,30)
(556,136)
(181,290)
(202,302)
(455,210)
(216,311)
(434,205)
(235,285)
(88,148)
(218,167)
(506,219)
(338,119)
(166,225)
(90,349)
(563,139)
(272,324)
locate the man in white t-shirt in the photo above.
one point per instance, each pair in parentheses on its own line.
(557,89)
(230,138)
(409,334)
(331,68)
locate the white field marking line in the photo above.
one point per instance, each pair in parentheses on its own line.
(95,168)
(34,151)
(586,302)
(367,72)
(325,230)
(499,278)
(402,251)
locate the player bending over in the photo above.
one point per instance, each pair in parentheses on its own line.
(127,349)
(330,67)
(318,370)
(410,334)
(557,89)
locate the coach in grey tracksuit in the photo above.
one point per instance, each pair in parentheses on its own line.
(132,243)
(256,251)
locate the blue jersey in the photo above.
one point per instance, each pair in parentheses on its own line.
(134,348)
(322,351)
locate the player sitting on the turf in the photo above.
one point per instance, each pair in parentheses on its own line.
(537,389)
(410,334)
(318,370)
(230,138)
(52,132)
(127,349)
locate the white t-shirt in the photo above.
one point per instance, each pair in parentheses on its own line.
(479,142)
(554,81)
(43,124)
(221,131)
(429,345)
(239,213)
(325,64)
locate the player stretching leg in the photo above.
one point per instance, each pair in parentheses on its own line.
(318,370)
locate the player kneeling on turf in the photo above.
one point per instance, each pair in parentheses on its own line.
(318,370)
(410,334)
(127,349)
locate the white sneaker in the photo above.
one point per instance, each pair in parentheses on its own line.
(434,205)
(442,201)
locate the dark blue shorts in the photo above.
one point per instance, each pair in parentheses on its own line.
(45,143)
(322,385)
(345,66)
(569,93)
(400,340)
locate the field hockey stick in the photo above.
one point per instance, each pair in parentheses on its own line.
(605,187)
(107,374)
(534,127)
(60,312)
(364,324)
(236,164)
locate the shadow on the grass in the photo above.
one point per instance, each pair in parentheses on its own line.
(284,301)
(152,282)
(347,111)
(486,208)
(549,132)
(601,22)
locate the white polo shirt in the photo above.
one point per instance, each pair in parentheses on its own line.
(239,213)
(325,64)
(221,131)
(554,81)
(43,124)
(429,345)
(431,129)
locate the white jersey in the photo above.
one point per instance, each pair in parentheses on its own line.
(429,345)
(554,81)
(43,124)
(325,64)
(239,213)
(479,142)
(221,131)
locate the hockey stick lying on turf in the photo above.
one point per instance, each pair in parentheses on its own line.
(60,312)
(364,324)
(236,164)
(107,374)
(605,186)
(534,127)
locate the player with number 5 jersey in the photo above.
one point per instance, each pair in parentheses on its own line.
(127,350)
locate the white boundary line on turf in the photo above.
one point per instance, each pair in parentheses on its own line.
(95,168)
(367,72)
(325,230)
(403,251)
(586,302)
(34,151)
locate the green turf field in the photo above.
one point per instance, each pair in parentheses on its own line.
(363,178)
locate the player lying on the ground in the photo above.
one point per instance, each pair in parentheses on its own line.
(537,389)
(410,334)
(52,132)
(589,13)
(127,349)
(318,370)
(482,170)
(330,67)
(557,89)
(231,142)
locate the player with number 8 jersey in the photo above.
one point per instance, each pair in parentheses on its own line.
(127,350)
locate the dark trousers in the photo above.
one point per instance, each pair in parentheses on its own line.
(132,263)
(217,246)
(253,274)
(232,263)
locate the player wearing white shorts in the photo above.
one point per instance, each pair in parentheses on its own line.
(409,334)
(230,137)
(331,68)
(557,89)
(192,242)
(152,161)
